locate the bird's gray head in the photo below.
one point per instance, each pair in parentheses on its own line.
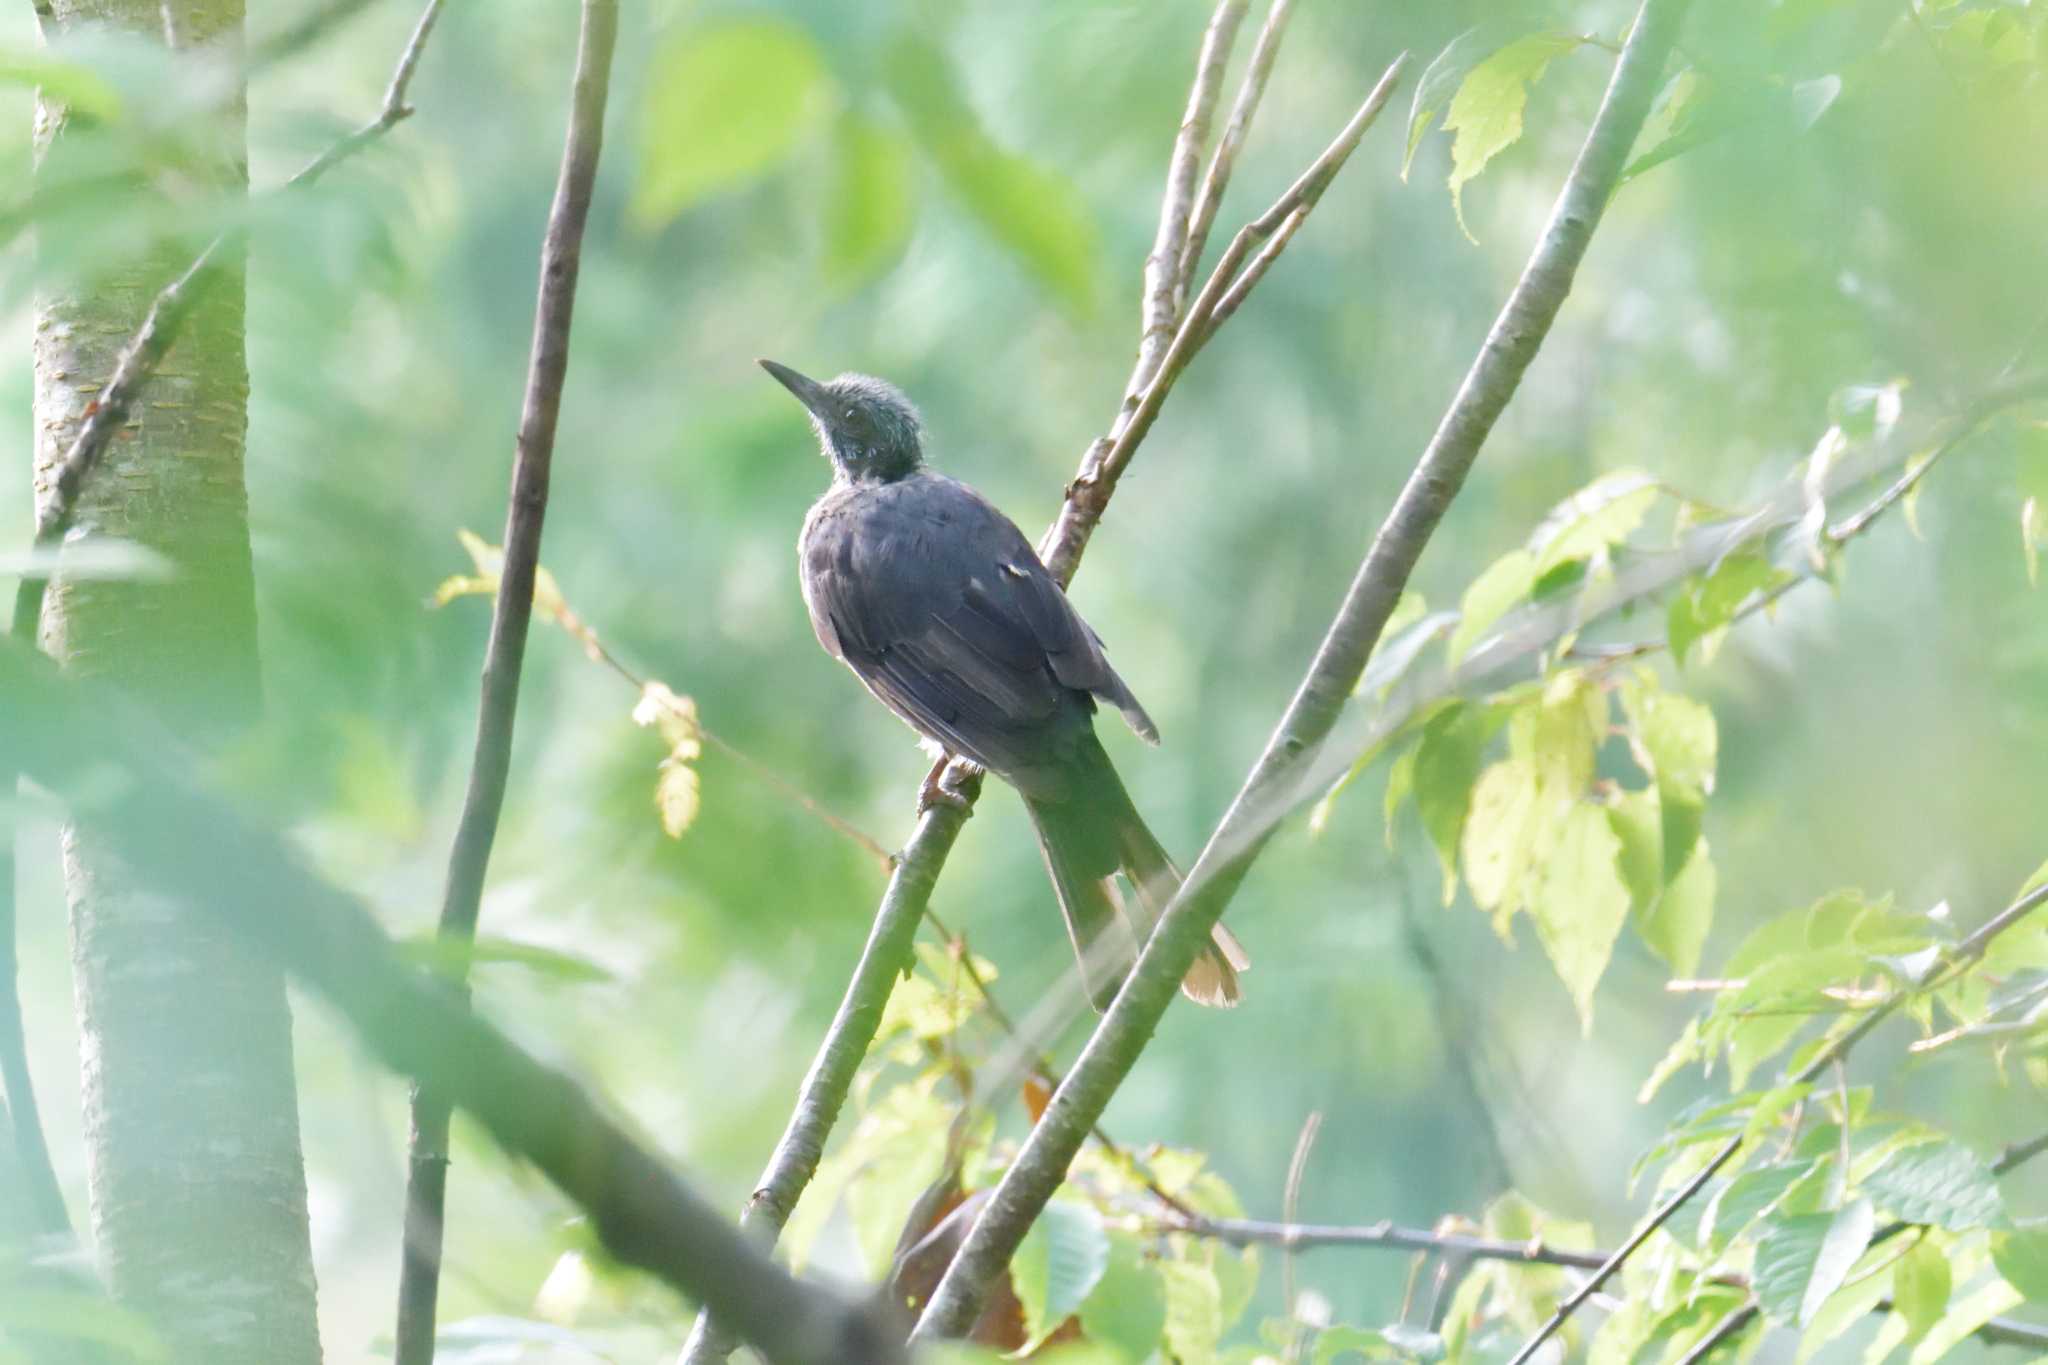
(867,427)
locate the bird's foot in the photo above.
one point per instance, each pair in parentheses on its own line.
(933,791)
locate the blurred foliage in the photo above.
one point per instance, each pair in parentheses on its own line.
(1832,225)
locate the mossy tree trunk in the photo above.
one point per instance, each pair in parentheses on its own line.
(191,1117)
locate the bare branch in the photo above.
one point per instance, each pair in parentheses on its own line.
(1104,464)
(1291,1236)
(1165,284)
(511,617)
(1512,344)
(395,110)
(70,736)
(1217,179)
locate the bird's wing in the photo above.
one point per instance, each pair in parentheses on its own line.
(937,601)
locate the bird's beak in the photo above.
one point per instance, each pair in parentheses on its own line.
(808,391)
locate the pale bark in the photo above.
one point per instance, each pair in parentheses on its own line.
(191,1119)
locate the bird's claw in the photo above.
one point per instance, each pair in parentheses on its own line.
(933,791)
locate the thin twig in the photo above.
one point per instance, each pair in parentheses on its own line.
(1290,1210)
(69,735)
(1089,493)
(1165,277)
(1217,178)
(1124,1031)
(1292,1236)
(1968,951)
(395,110)
(511,616)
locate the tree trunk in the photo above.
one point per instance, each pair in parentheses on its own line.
(191,1114)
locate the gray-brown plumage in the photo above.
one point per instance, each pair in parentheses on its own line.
(940,606)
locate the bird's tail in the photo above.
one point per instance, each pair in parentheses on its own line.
(1089,831)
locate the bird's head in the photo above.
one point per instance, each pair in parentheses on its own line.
(868,429)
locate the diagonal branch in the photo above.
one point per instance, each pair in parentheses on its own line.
(131,781)
(166,319)
(511,616)
(1510,346)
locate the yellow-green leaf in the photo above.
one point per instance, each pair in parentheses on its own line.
(1921,1284)
(1582,903)
(1505,582)
(1500,836)
(1486,113)
(1676,926)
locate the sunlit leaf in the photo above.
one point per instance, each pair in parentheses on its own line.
(1194,1311)
(1676,927)
(1921,1284)
(1964,1317)
(1598,516)
(1445,768)
(1803,1258)
(1501,585)
(1500,835)
(1582,904)
(726,101)
(1486,113)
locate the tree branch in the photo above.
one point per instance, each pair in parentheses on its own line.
(129,780)
(511,617)
(1969,950)
(1510,346)
(138,363)
(1217,179)
(825,1086)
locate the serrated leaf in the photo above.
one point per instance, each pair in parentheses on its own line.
(1752,1195)
(1500,586)
(1582,904)
(1127,1309)
(1803,1258)
(1032,210)
(1921,1284)
(1942,1183)
(1058,1264)
(1194,1311)
(1440,80)
(1486,113)
(870,199)
(726,101)
(2022,1258)
(1677,735)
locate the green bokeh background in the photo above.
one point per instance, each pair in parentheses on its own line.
(1891,734)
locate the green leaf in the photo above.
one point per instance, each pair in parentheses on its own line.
(1639,826)
(1127,1309)
(1446,767)
(1582,904)
(1500,836)
(1194,1311)
(1678,737)
(1486,113)
(1752,1195)
(1440,80)
(1676,927)
(1036,213)
(1598,516)
(1942,1183)
(1060,1261)
(1803,1258)
(870,199)
(1965,1317)
(2022,1257)
(727,101)
(1921,1284)
(1504,582)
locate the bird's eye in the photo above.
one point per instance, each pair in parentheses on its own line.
(849,414)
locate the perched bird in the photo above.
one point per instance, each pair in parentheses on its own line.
(941,607)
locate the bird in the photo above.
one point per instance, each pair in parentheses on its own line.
(946,614)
